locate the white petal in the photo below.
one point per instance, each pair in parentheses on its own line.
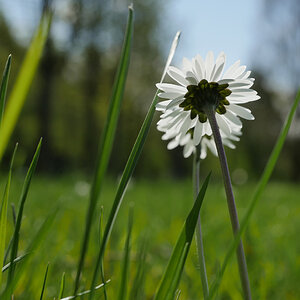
(188,150)
(198,132)
(169,113)
(239,71)
(161,106)
(240,83)
(173,144)
(175,103)
(184,138)
(223,125)
(229,144)
(191,78)
(198,70)
(169,135)
(171,88)
(186,124)
(225,81)
(242,99)
(242,91)
(203,153)
(231,70)
(241,111)
(201,63)
(219,67)
(233,118)
(177,75)
(212,147)
(186,65)
(206,129)
(169,95)
(244,75)
(209,64)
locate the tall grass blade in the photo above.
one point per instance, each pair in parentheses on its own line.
(25,189)
(3,214)
(33,246)
(102,265)
(139,278)
(107,139)
(126,259)
(257,194)
(3,87)
(44,282)
(171,278)
(130,166)
(62,286)
(21,87)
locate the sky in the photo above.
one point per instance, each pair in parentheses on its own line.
(216,25)
(228,26)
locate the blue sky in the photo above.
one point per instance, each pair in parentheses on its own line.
(228,26)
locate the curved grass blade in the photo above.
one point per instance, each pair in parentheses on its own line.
(25,189)
(3,214)
(130,166)
(19,258)
(178,295)
(107,139)
(126,259)
(33,246)
(23,82)
(257,194)
(3,87)
(62,286)
(87,291)
(171,278)
(44,283)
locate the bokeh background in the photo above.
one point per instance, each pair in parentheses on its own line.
(67,106)
(69,98)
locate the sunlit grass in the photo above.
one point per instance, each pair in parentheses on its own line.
(159,211)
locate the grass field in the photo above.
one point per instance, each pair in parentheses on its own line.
(271,242)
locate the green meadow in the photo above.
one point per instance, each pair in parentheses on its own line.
(271,240)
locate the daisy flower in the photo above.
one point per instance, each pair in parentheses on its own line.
(202,85)
(207,142)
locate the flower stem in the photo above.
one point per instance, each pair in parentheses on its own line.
(199,240)
(230,202)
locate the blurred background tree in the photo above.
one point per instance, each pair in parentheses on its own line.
(69,99)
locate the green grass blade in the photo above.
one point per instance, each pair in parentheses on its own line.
(107,139)
(87,291)
(3,87)
(257,194)
(171,278)
(44,282)
(10,242)
(62,286)
(33,246)
(19,258)
(139,278)
(3,214)
(126,259)
(23,82)
(130,166)
(25,189)
(102,265)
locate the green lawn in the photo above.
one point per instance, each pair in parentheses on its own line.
(271,242)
